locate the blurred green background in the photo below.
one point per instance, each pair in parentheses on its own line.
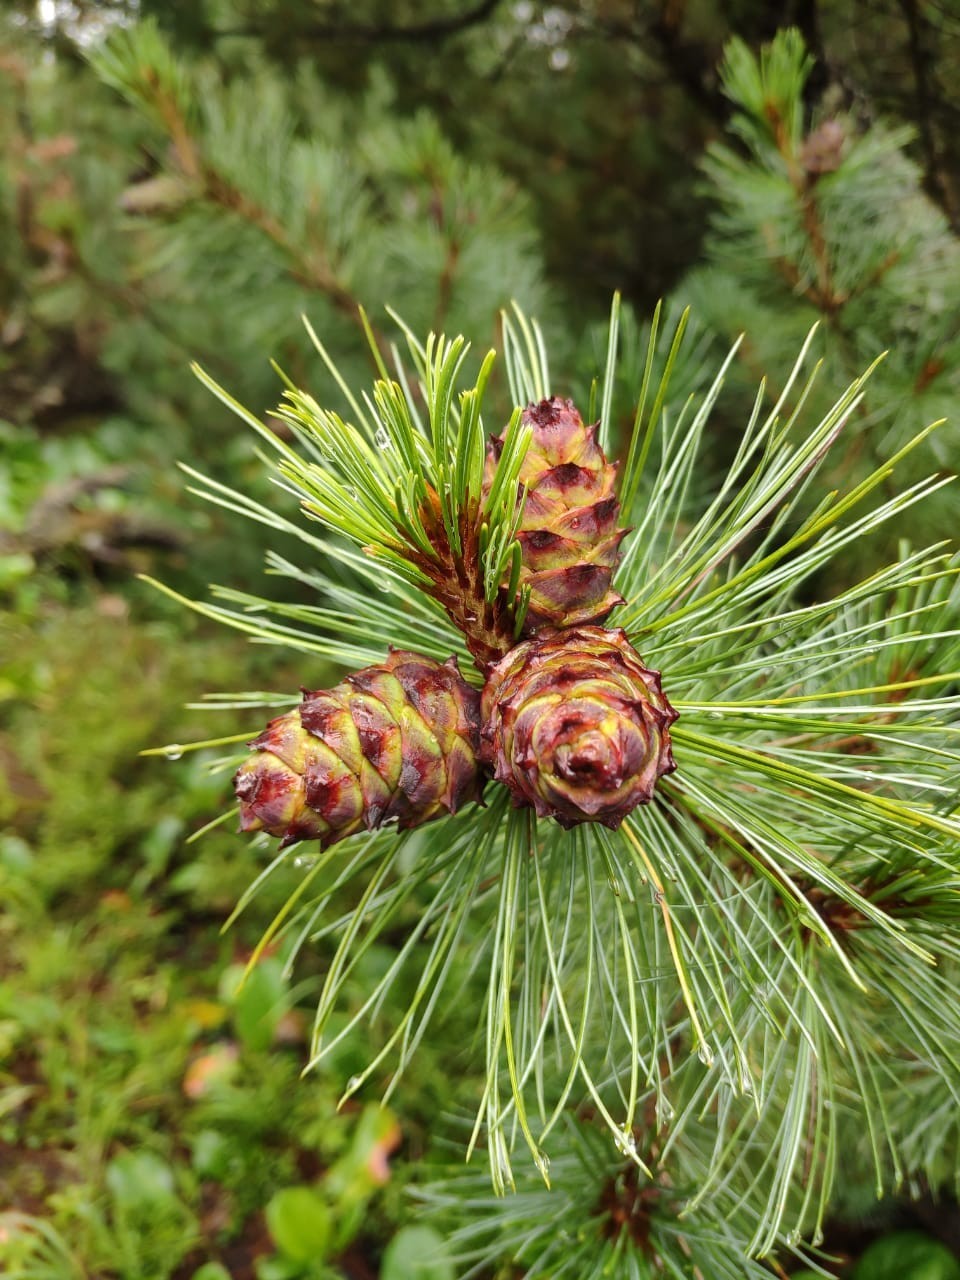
(183,179)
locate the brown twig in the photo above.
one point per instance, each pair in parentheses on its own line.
(310,268)
(312,271)
(431,30)
(456,583)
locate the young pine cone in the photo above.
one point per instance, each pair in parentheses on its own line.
(398,741)
(577,726)
(568,529)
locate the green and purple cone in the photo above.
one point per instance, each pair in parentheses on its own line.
(568,530)
(576,726)
(395,742)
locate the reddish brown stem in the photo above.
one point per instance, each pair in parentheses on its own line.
(456,582)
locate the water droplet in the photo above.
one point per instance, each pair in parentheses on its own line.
(383,440)
(792,1237)
(817,1238)
(626,1143)
(665,1111)
(354,1083)
(174,751)
(746,1086)
(305,860)
(615,885)
(714,715)
(705,1054)
(542,1161)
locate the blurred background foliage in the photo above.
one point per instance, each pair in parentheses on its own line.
(181,180)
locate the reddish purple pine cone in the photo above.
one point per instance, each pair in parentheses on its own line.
(398,741)
(568,530)
(577,726)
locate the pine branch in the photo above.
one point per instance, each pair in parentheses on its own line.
(308,265)
(688,978)
(411,494)
(831,222)
(239,158)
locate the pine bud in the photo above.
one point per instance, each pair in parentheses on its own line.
(568,529)
(577,726)
(396,741)
(822,150)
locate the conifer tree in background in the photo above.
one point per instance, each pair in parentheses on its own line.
(271,196)
(184,210)
(821,220)
(712,893)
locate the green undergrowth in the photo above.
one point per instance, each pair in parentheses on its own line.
(153,1122)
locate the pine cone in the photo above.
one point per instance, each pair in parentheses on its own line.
(397,741)
(577,726)
(568,530)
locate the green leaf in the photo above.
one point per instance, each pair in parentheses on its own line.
(259,1001)
(376,1135)
(275,1267)
(139,1180)
(907,1255)
(211,1271)
(416,1253)
(364,1167)
(299,1222)
(212,1154)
